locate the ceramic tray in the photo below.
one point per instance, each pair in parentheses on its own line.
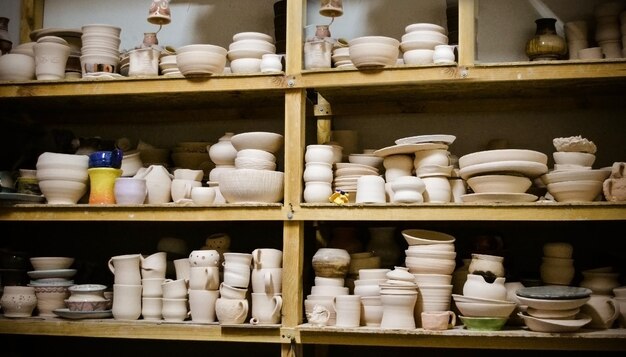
(83,314)
(554,292)
(499,197)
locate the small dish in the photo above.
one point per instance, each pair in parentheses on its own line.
(53,273)
(66,313)
(435,138)
(483,323)
(408,148)
(552,325)
(554,292)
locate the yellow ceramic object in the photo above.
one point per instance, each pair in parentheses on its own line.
(102,184)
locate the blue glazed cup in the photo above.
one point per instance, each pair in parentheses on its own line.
(106,159)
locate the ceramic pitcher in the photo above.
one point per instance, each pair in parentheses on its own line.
(603,310)
(159,182)
(126,268)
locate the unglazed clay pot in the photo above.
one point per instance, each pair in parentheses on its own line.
(476,286)
(18,301)
(223,152)
(331,262)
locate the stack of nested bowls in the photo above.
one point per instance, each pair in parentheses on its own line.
(168,65)
(100,49)
(341,57)
(201,60)
(247,49)
(51,280)
(62,177)
(373,51)
(419,41)
(557,267)
(318,173)
(573,179)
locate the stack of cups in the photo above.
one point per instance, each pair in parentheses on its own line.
(100,49)
(232,305)
(127,287)
(204,282)
(266,278)
(318,173)
(152,277)
(433,167)
(186,180)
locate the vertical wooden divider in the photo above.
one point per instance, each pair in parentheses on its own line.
(467,32)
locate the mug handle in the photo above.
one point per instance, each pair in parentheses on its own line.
(256,258)
(278,305)
(616,311)
(244,309)
(452,319)
(187,191)
(110,264)
(269,286)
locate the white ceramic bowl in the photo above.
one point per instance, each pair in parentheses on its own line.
(17,67)
(68,174)
(252,44)
(477,309)
(366,159)
(256,154)
(201,48)
(253,186)
(437,254)
(247,53)
(425,35)
(59,160)
(192,63)
(419,45)
(429,265)
(423,236)
(552,304)
(424,26)
(575,191)
(486,156)
(374,39)
(252,36)
(575,175)
(62,191)
(499,183)
(245,65)
(253,163)
(554,325)
(418,56)
(573,158)
(260,140)
(51,263)
(365,55)
(446,247)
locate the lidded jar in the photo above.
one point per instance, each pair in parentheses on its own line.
(223,152)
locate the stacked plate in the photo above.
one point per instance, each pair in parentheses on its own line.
(419,41)
(554,308)
(513,162)
(100,49)
(347,175)
(341,57)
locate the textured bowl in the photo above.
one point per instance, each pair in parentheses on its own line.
(87,305)
(575,191)
(62,191)
(200,63)
(499,183)
(423,236)
(51,263)
(252,186)
(260,140)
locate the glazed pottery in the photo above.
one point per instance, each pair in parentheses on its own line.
(50,298)
(546,44)
(18,301)
(331,262)
(86,292)
(102,184)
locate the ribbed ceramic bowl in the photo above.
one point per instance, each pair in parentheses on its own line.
(260,140)
(198,63)
(252,186)
(486,156)
(499,183)
(51,263)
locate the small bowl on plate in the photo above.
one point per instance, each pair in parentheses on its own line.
(51,263)
(483,323)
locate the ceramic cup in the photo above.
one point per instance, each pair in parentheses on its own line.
(154,265)
(130,191)
(204,278)
(370,189)
(237,275)
(438,320)
(203,195)
(231,311)
(202,305)
(174,289)
(267,258)
(182,268)
(204,258)
(126,301)
(175,309)
(348,308)
(126,269)
(152,287)
(267,280)
(151,308)
(266,308)
(181,188)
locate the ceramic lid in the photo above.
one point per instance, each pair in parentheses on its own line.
(554,292)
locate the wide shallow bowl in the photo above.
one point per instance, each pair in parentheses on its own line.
(366,159)
(483,323)
(575,175)
(553,292)
(473,299)
(202,48)
(482,157)
(499,183)
(553,314)
(573,158)
(425,35)
(552,304)
(575,191)
(252,36)
(261,140)
(193,63)
(252,44)
(423,236)
(51,263)
(424,26)
(554,325)
(252,186)
(477,309)
(365,55)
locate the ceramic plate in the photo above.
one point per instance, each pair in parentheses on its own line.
(487,156)
(52,31)
(52,273)
(408,148)
(83,314)
(552,304)
(21,197)
(553,325)
(527,168)
(438,138)
(554,292)
(499,197)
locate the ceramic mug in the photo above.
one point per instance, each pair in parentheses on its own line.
(348,308)
(126,268)
(267,280)
(182,268)
(438,320)
(154,265)
(202,305)
(174,289)
(152,308)
(266,308)
(181,188)
(204,278)
(130,190)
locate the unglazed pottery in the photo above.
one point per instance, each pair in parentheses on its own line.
(331,262)
(18,301)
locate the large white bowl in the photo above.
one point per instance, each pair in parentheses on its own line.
(575,191)
(429,265)
(246,65)
(17,67)
(252,186)
(252,44)
(477,309)
(261,140)
(374,39)
(425,35)
(499,183)
(575,175)
(69,174)
(486,156)
(437,254)
(192,63)
(423,236)
(552,304)
(375,54)
(62,191)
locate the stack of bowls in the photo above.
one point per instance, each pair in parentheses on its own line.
(573,179)
(419,41)
(373,51)
(557,267)
(51,280)
(318,173)
(554,308)
(62,177)
(168,66)
(200,60)
(100,49)
(247,49)
(341,57)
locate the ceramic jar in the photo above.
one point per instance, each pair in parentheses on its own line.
(271,63)
(599,281)
(487,264)
(223,152)
(477,286)
(18,301)
(317,191)
(331,262)
(408,189)
(546,44)
(444,54)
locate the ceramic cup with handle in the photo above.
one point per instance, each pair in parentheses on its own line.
(438,320)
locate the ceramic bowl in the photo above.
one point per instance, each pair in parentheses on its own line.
(51,263)
(252,163)
(206,48)
(553,314)
(200,63)
(483,323)
(68,174)
(87,305)
(423,236)
(252,44)
(554,325)
(575,191)
(365,55)
(260,140)
(436,254)
(425,26)
(418,56)
(247,53)
(366,159)
(390,41)
(575,175)
(477,309)
(17,67)
(249,185)
(430,265)
(245,65)
(425,35)
(552,304)
(256,154)
(58,160)
(252,36)
(474,299)
(499,183)
(433,279)
(62,191)
(482,157)
(573,158)
(447,247)
(419,45)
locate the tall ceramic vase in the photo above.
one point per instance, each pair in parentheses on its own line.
(102,184)
(546,44)
(382,242)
